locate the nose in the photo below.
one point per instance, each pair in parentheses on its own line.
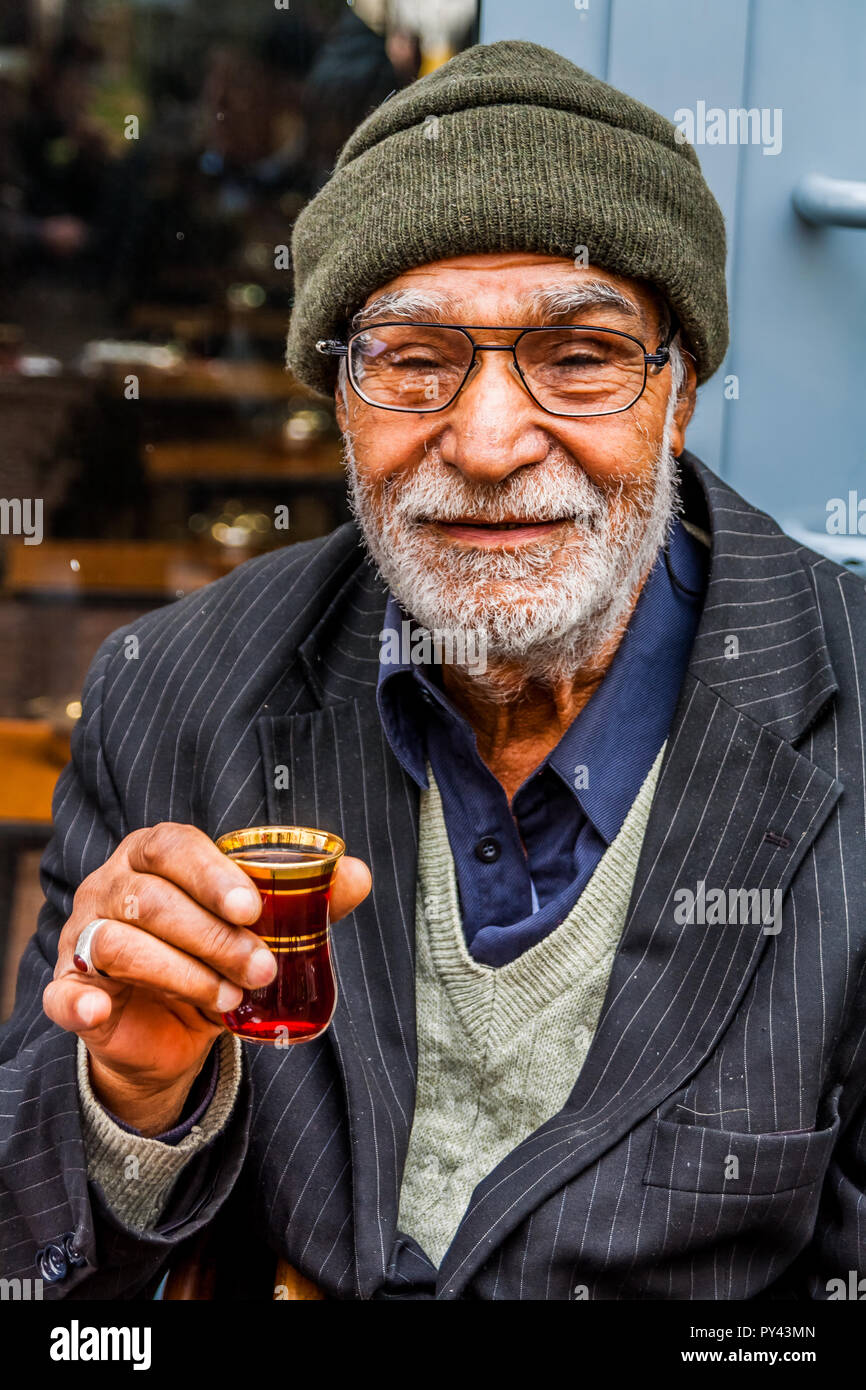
(493,427)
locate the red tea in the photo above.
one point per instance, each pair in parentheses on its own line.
(295,886)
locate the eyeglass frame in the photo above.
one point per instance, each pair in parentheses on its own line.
(335,347)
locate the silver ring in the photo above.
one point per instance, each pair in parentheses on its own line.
(83,947)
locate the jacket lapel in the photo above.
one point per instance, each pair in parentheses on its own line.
(736,806)
(335,769)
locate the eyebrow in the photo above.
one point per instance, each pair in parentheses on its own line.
(408,304)
(552,301)
(558,301)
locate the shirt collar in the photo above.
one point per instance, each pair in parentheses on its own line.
(405,690)
(619,731)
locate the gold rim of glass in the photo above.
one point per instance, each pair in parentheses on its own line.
(326,846)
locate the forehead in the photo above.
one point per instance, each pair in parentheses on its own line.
(481,288)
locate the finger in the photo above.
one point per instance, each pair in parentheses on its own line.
(352,882)
(129,955)
(184,855)
(166,911)
(75,1005)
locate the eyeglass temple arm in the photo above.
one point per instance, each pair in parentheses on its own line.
(661,357)
(331,347)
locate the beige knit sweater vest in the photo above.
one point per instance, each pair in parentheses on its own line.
(499,1049)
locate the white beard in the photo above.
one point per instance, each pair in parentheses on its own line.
(540,613)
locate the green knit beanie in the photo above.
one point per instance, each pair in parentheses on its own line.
(526,153)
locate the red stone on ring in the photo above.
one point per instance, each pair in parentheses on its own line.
(80,964)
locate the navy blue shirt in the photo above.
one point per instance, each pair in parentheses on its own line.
(572,806)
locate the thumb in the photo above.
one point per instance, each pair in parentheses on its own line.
(352,882)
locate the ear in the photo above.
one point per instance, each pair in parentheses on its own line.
(342,420)
(685,407)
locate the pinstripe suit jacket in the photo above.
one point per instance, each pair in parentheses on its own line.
(715,1042)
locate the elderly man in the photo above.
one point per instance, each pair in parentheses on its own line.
(592,729)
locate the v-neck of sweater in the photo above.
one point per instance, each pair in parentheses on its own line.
(494,1002)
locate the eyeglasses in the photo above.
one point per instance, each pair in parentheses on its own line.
(575,370)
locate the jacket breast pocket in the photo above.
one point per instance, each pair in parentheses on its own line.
(690,1158)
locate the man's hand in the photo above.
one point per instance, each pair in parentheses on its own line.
(176,947)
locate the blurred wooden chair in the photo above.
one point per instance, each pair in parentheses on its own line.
(195,1275)
(32,754)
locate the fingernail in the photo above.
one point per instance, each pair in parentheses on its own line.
(87,1010)
(240,903)
(261,967)
(228,997)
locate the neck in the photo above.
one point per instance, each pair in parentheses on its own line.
(515,733)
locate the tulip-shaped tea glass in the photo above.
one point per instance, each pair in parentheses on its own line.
(293,868)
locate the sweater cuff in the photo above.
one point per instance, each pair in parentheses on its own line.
(201,1094)
(137,1173)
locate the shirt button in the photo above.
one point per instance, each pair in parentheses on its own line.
(51,1263)
(488,849)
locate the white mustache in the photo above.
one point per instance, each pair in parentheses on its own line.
(563,494)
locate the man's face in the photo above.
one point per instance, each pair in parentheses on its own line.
(594,496)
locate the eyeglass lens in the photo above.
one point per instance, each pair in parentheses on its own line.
(571,371)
